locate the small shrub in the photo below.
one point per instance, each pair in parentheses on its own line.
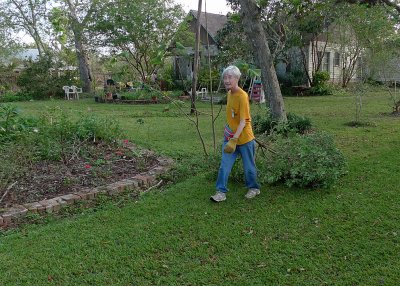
(300,124)
(321,90)
(183,84)
(204,78)
(167,75)
(267,125)
(307,161)
(320,77)
(320,84)
(14,97)
(12,124)
(292,78)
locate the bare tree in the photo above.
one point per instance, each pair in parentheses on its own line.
(196,60)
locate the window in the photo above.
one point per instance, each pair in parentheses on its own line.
(336,59)
(325,61)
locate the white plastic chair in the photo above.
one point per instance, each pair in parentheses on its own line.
(76,91)
(68,91)
(202,93)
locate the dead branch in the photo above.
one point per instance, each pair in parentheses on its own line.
(155,186)
(7,190)
(264,146)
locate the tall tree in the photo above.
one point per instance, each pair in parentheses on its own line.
(80,13)
(360,29)
(139,31)
(395,4)
(29,16)
(251,19)
(232,41)
(8,43)
(309,24)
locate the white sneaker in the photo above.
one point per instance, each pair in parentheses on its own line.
(252,193)
(218,197)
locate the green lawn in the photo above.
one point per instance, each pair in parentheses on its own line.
(348,235)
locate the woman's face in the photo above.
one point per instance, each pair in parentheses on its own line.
(230,81)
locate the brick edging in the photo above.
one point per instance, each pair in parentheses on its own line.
(53,205)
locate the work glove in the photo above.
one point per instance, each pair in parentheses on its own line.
(230,147)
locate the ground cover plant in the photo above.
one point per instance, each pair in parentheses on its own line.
(346,235)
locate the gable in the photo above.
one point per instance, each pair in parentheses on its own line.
(210,24)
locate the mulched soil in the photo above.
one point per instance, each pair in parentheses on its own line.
(103,164)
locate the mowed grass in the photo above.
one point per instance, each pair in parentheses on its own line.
(348,235)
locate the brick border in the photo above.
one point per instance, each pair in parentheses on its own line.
(53,205)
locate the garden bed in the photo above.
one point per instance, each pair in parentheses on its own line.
(106,164)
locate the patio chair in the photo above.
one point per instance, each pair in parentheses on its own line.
(76,91)
(202,93)
(68,92)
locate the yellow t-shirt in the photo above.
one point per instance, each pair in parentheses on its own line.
(238,108)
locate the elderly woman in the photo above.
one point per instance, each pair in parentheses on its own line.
(238,138)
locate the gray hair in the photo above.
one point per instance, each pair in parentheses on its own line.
(232,70)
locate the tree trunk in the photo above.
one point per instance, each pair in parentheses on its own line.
(251,19)
(84,69)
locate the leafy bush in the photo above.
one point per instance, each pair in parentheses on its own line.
(320,84)
(13,97)
(303,161)
(183,84)
(167,75)
(204,78)
(321,90)
(12,125)
(36,80)
(292,78)
(267,125)
(320,77)
(297,77)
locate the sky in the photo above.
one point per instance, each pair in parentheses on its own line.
(213,6)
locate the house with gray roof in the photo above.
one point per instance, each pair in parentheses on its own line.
(20,56)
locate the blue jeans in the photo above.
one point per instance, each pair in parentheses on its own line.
(247,152)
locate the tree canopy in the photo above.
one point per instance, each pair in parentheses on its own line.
(139,31)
